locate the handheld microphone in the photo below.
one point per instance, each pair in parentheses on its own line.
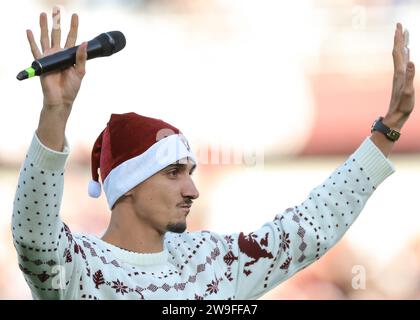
(103,45)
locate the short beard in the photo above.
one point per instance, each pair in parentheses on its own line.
(176,227)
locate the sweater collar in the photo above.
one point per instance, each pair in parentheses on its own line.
(135,258)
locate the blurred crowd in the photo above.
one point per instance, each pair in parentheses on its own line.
(344,273)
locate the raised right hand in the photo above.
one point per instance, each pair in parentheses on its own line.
(60,88)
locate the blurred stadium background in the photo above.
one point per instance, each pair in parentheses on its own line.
(294,86)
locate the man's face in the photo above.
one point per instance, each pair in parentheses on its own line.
(163,201)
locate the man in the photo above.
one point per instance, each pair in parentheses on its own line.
(145,166)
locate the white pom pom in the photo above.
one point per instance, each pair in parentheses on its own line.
(94,189)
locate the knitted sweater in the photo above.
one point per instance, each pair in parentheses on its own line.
(60,264)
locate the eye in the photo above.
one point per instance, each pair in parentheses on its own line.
(173,173)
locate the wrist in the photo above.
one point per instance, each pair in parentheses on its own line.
(60,112)
(395,120)
(51,128)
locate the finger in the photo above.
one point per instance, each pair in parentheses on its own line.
(406,41)
(56,29)
(411,71)
(43,23)
(81,57)
(398,35)
(406,56)
(398,58)
(406,38)
(398,51)
(34,48)
(72,36)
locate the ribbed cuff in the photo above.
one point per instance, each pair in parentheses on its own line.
(371,158)
(43,157)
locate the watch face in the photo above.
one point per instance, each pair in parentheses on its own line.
(394,135)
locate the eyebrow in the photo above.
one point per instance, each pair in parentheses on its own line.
(180,166)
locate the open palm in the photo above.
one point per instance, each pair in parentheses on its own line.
(403,93)
(60,88)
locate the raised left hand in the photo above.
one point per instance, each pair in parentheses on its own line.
(403,95)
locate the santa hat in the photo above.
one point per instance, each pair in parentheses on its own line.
(131,149)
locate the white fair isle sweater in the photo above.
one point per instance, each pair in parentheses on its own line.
(59,264)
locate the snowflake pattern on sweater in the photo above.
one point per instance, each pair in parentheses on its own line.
(59,264)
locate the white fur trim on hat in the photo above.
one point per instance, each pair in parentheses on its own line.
(135,170)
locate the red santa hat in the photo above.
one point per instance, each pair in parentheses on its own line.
(131,149)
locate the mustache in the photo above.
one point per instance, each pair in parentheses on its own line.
(187,201)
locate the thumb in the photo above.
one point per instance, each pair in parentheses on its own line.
(411,71)
(81,57)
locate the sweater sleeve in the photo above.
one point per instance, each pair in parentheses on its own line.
(44,244)
(299,236)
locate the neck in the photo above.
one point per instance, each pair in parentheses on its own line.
(127,232)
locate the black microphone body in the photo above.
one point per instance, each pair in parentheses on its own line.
(103,45)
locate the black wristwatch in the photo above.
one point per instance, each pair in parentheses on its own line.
(389,133)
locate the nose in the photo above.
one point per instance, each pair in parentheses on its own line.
(190,190)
